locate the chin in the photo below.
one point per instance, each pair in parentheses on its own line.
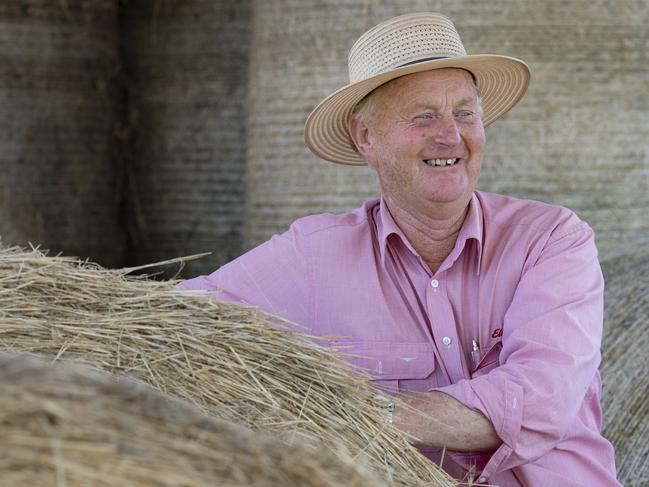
(446,198)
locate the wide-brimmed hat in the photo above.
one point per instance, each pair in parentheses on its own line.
(404,45)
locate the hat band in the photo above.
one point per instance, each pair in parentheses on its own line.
(422,61)
(432,59)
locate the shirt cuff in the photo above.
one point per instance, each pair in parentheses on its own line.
(500,401)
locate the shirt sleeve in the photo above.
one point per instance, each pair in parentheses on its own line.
(273,277)
(550,354)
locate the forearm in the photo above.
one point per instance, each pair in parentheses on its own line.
(437,420)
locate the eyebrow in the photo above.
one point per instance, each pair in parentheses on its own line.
(462,102)
(468,101)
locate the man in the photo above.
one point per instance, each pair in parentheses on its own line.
(488,307)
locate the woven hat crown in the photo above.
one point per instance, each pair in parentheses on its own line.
(401,41)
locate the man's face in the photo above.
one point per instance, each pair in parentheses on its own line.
(418,120)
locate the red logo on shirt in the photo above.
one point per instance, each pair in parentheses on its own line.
(498,332)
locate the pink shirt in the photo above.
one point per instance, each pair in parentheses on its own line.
(523,281)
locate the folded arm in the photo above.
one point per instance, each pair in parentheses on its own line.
(435,419)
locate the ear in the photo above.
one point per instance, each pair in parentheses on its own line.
(360,134)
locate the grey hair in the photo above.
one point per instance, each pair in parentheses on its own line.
(365,108)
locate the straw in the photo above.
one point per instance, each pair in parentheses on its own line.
(225,358)
(67,425)
(625,361)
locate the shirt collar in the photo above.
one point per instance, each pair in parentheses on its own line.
(386,226)
(471,229)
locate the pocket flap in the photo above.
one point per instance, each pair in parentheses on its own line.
(489,359)
(390,360)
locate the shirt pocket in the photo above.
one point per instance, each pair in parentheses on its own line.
(489,360)
(387,363)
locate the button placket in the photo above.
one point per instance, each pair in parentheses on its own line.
(444,329)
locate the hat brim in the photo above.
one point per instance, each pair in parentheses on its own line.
(501,83)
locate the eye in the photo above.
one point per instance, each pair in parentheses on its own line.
(425,116)
(464,114)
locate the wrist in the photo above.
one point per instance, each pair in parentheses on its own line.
(387,406)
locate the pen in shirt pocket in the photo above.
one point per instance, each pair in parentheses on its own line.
(475,353)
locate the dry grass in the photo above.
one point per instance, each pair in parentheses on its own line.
(224,358)
(67,425)
(625,362)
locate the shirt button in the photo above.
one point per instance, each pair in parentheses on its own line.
(482,480)
(446,341)
(434,283)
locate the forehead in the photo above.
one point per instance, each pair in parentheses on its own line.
(446,82)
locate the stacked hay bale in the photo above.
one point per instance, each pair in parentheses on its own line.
(625,361)
(187,62)
(61,129)
(68,425)
(225,358)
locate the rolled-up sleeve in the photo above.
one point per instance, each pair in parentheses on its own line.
(550,351)
(273,276)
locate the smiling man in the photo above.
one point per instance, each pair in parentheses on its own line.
(484,312)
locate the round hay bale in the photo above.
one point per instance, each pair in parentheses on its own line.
(227,359)
(61,103)
(187,62)
(71,426)
(625,361)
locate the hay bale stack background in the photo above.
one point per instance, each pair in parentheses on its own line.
(60,100)
(188,62)
(69,426)
(223,357)
(625,361)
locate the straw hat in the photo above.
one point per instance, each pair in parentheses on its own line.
(404,45)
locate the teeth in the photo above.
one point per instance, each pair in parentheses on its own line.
(440,162)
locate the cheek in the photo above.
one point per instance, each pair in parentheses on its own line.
(477,140)
(396,175)
(394,152)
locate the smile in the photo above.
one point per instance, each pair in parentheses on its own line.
(440,162)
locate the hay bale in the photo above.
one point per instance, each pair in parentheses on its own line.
(625,361)
(70,426)
(62,128)
(225,358)
(188,66)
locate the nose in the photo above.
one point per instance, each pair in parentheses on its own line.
(447,132)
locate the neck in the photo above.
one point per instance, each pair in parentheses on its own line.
(433,232)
